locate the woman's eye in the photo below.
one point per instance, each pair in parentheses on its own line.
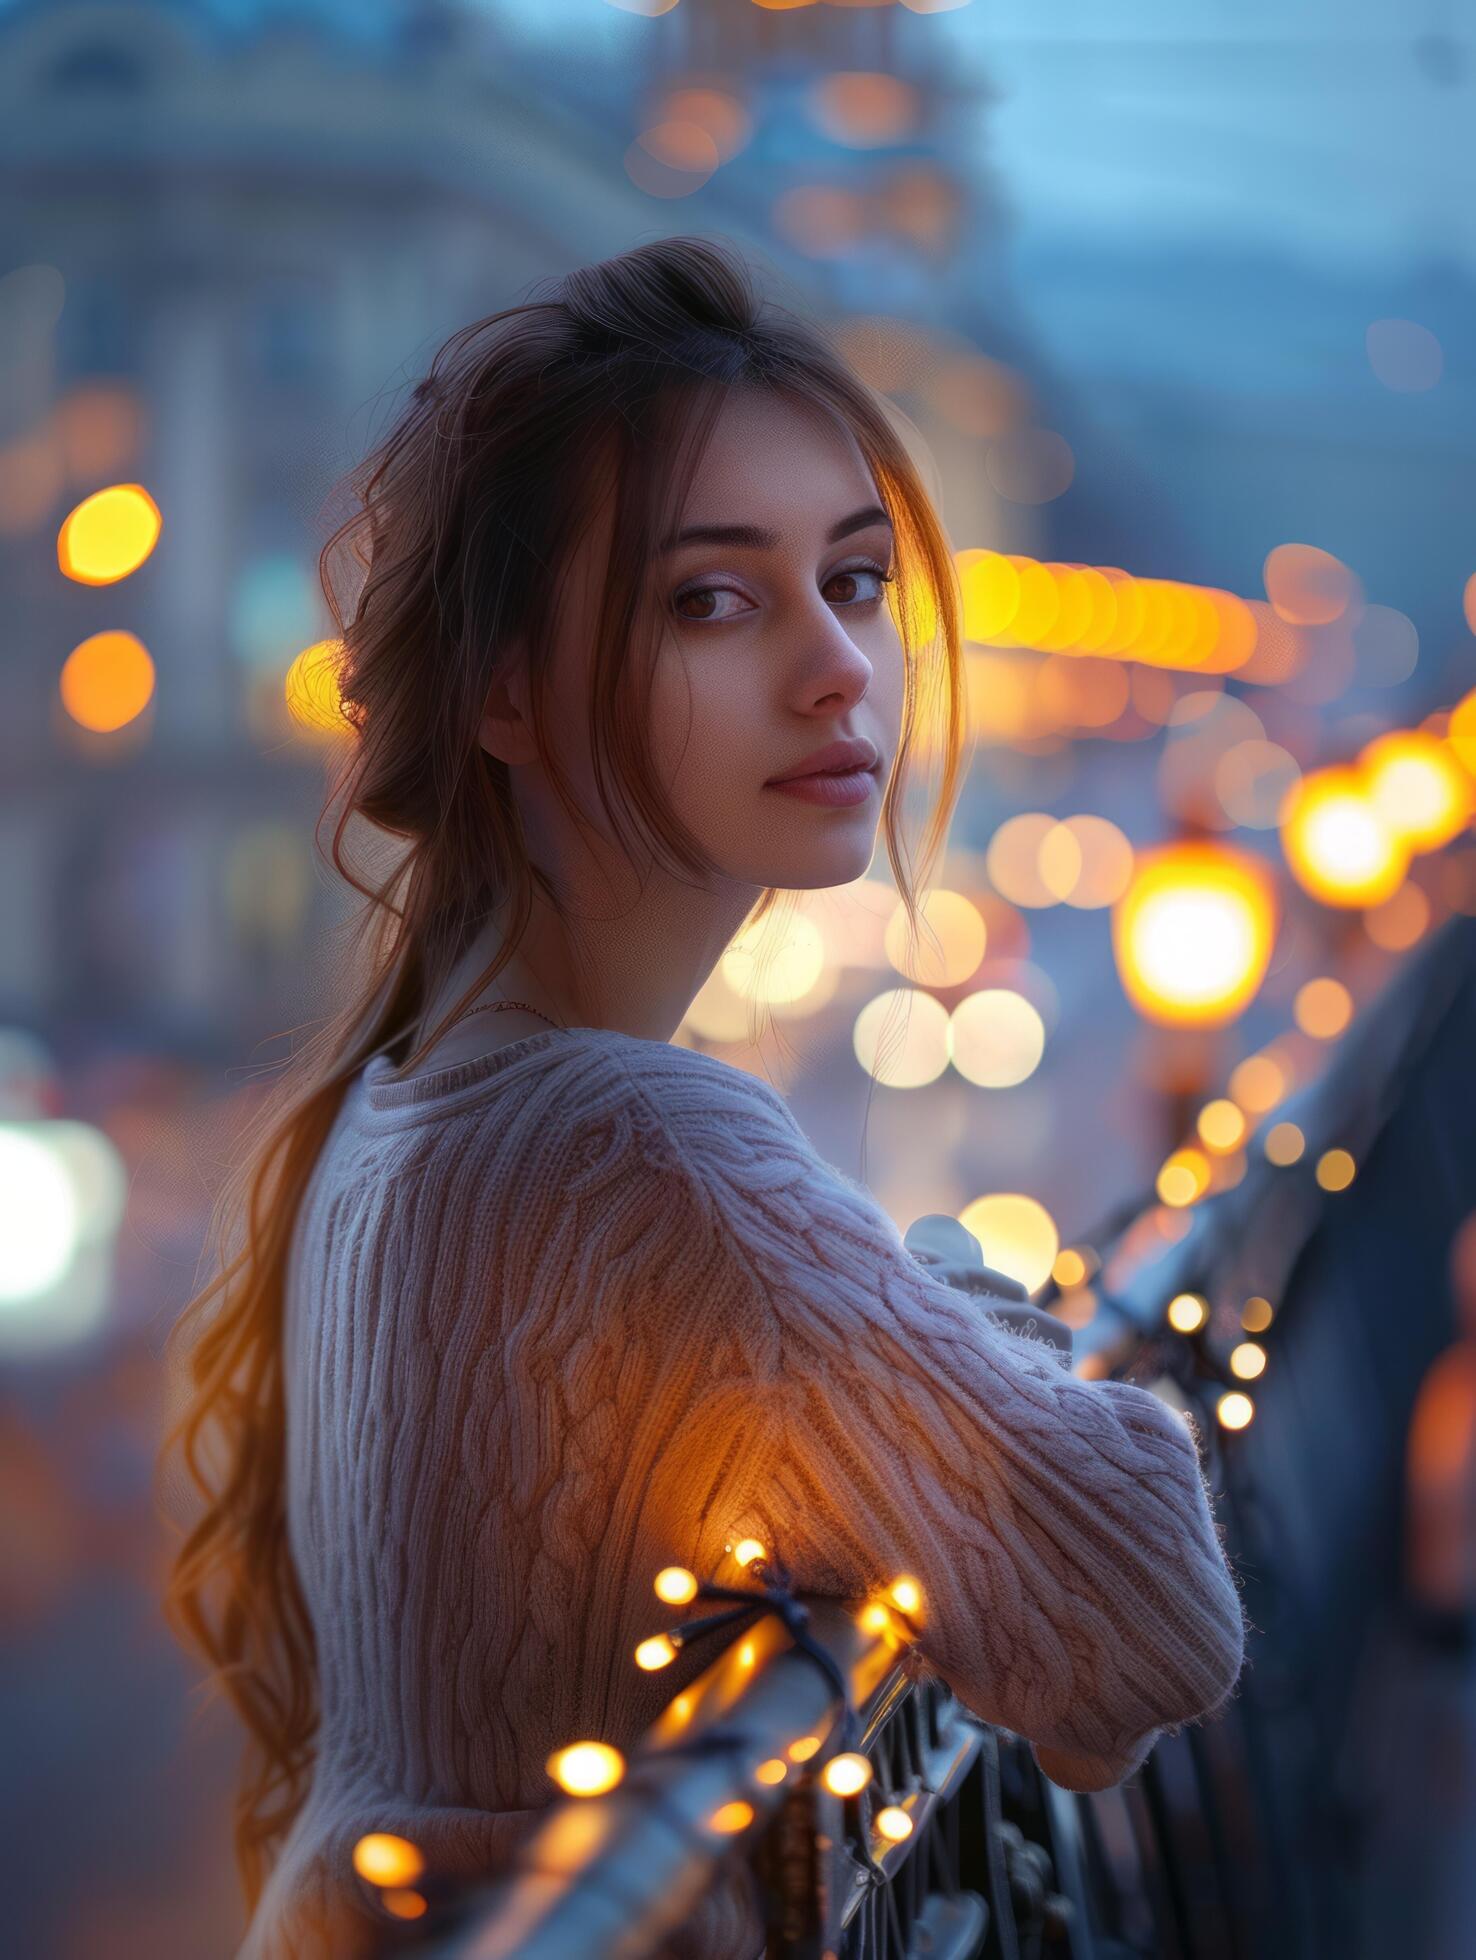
(705,592)
(882,579)
(875,573)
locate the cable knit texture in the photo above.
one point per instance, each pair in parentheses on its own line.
(591,1305)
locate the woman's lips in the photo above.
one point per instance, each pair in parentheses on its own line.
(837,791)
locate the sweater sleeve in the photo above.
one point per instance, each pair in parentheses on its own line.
(865,1419)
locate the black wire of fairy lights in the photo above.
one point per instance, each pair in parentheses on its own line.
(773,1594)
(1406,1034)
(1193,1281)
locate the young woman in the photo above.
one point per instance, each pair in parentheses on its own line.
(519,1300)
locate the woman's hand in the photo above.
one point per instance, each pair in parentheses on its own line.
(992,1288)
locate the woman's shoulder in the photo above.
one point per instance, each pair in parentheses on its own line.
(603,1071)
(613,1118)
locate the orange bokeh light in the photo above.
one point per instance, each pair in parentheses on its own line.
(107,681)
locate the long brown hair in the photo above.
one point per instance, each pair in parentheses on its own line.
(463,520)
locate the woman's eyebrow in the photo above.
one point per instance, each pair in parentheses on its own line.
(760,540)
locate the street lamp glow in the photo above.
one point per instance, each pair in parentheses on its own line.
(1338,843)
(1192,935)
(1418,787)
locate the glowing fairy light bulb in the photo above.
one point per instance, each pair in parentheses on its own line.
(1234,1410)
(846,1774)
(658,1651)
(907,1593)
(383,1859)
(1247,1360)
(894,1823)
(676,1585)
(731,1817)
(748,1551)
(1187,1312)
(586,1769)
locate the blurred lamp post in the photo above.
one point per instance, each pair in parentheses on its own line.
(1348,832)
(1339,843)
(1192,937)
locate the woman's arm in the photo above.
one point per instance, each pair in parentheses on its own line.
(867,1420)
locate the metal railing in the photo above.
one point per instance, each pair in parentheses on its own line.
(734,1772)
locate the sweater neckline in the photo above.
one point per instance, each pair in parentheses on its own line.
(387,1098)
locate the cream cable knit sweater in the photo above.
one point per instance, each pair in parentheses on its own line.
(591,1305)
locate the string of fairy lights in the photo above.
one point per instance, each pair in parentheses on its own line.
(394,1870)
(1348,832)
(1187,1311)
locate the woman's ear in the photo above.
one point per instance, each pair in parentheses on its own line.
(506,730)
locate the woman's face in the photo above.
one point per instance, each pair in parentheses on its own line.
(773,650)
(768,652)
